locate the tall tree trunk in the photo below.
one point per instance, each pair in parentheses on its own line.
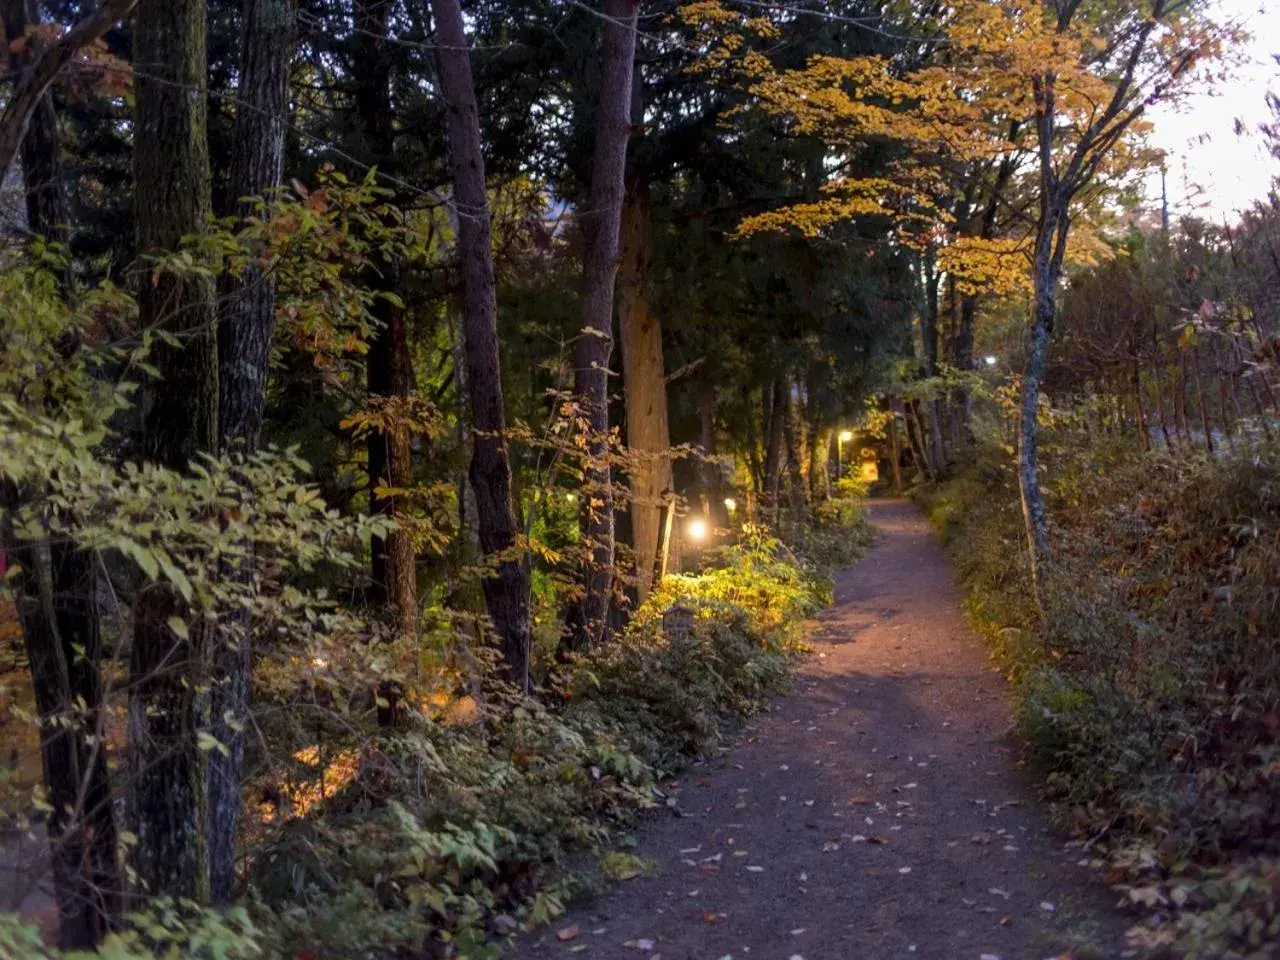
(820,463)
(644,381)
(1047,268)
(895,453)
(506,589)
(775,449)
(792,433)
(249,301)
(601,227)
(172,200)
(58,614)
(388,367)
(64,653)
(712,481)
(245,325)
(1204,405)
(929,338)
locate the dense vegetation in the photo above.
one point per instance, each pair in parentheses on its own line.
(1148,684)
(383,383)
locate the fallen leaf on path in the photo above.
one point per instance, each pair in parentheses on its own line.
(996,891)
(570,932)
(755,869)
(1006,921)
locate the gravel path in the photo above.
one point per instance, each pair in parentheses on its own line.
(877,812)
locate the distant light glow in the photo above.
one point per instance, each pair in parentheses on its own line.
(571,497)
(992,361)
(730,504)
(846,436)
(698,530)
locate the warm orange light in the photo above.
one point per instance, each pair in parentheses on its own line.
(698,530)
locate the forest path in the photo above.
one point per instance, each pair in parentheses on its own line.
(876,812)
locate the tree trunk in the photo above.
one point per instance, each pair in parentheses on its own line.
(388,367)
(1046,276)
(774,446)
(248,309)
(601,227)
(895,453)
(929,338)
(245,325)
(167,771)
(709,467)
(644,380)
(506,590)
(794,440)
(56,609)
(820,463)
(64,653)
(172,201)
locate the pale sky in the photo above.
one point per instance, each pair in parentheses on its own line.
(1214,172)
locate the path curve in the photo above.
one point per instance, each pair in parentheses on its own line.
(876,812)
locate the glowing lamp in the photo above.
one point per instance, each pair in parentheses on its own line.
(698,530)
(846,436)
(730,504)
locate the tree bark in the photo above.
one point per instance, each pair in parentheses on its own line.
(64,652)
(506,589)
(245,326)
(794,441)
(1047,268)
(388,368)
(43,69)
(644,381)
(56,608)
(248,310)
(820,463)
(601,228)
(167,802)
(172,200)
(895,453)
(775,449)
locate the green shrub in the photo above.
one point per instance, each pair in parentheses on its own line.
(1149,693)
(453,832)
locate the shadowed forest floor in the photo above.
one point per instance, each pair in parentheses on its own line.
(876,812)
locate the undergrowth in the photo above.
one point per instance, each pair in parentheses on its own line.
(1149,694)
(448,835)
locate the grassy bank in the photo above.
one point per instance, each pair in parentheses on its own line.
(1149,695)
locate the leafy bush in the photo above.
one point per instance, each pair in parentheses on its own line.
(1149,694)
(452,832)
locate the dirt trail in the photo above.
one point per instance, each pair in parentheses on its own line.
(877,812)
